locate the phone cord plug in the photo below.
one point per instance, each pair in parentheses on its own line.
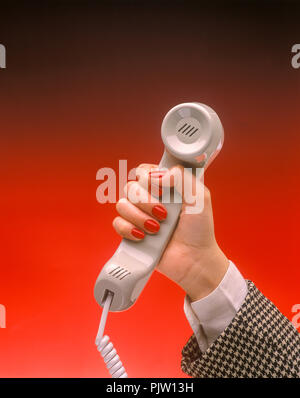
(106,348)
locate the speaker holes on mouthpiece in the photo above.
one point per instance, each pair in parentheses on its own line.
(124,275)
(113,270)
(119,272)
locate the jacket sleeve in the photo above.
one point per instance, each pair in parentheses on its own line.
(259,342)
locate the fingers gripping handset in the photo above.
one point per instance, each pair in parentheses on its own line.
(193,135)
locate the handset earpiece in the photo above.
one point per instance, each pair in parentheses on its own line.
(193,135)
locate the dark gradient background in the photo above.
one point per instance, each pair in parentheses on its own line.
(88,83)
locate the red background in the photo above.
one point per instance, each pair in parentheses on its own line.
(87,85)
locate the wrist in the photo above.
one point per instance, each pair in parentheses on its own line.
(207,270)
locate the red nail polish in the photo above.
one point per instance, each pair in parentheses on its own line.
(137,233)
(157,174)
(159,212)
(151,225)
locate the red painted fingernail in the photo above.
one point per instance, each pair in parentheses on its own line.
(157,174)
(137,233)
(151,225)
(159,212)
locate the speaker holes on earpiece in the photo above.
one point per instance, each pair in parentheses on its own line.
(182,127)
(188,130)
(193,132)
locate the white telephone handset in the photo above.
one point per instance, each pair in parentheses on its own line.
(193,135)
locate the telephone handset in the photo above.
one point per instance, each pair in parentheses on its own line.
(193,135)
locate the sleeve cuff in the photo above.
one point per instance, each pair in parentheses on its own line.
(210,316)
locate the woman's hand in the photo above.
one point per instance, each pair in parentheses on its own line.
(192,258)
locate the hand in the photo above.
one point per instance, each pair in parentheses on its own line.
(192,258)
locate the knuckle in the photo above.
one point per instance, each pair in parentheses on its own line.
(115,223)
(120,204)
(147,166)
(142,166)
(119,225)
(129,186)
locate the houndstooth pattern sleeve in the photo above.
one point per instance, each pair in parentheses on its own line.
(259,342)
